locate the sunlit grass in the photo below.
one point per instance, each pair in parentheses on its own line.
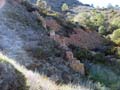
(35,81)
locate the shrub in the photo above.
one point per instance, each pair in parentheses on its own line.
(105,76)
(83,19)
(64,7)
(83,54)
(99,58)
(43,6)
(38,53)
(97,19)
(118,52)
(110,50)
(116,22)
(115,37)
(91,20)
(102,30)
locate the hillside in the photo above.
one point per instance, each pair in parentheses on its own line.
(57,4)
(41,49)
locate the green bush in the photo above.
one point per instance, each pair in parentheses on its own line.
(105,76)
(116,22)
(102,30)
(83,54)
(110,50)
(115,37)
(83,19)
(97,18)
(91,20)
(64,7)
(39,53)
(43,6)
(118,52)
(99,58)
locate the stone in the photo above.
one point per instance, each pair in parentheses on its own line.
(54,78)
(41,19)
(52,24)
(52,34)
(77,67)
(69,55)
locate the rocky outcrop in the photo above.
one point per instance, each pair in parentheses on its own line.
(77,66)
(74,63)
(52,24)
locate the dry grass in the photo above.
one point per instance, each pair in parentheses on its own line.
(35,81)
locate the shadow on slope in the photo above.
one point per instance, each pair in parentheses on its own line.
(10,77)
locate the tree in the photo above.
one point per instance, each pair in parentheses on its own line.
(110,6)
(117,7)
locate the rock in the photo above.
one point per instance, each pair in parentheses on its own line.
(52,34)
(54,78)
(59,39)
(69,55)
(41,19)
(52,24)
(74,63)
(77,66)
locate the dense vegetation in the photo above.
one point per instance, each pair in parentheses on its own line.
(107,23)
